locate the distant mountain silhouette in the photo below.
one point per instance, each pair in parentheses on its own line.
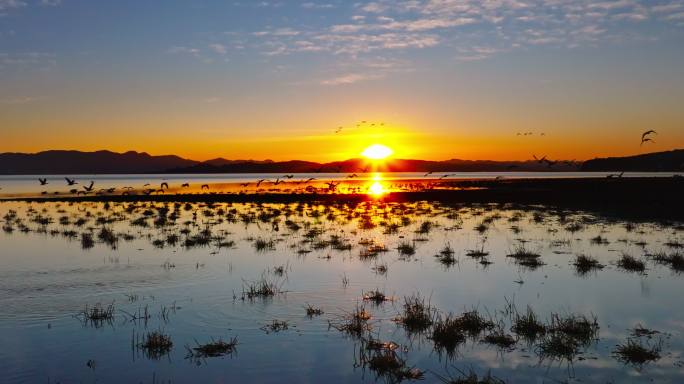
(670,161)
(107,162)
(76,162)
(361,165)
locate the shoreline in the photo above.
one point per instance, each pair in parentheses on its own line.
(653,197)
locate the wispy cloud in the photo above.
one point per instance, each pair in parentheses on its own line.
(470,29)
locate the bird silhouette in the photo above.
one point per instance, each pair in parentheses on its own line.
(70,181)
(204,186)
(259,182)
(277,181)
(427,174)
(646,139)
(185,185)
(353,175)
(90,187)
(339,129)
(540,160)
(244,184)
(288,176)
(332,185)
(310,179)
(43,181)
(649,132)
(164,184)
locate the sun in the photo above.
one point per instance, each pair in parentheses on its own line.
(377,152)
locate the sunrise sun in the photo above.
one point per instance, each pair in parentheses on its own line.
(377,152)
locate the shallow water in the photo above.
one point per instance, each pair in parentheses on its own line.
(193,291)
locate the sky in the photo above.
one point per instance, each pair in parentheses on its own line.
(276,79)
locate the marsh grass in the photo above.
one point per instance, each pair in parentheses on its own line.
(214,348)
(673,260)
(155,344)
(446,256)
(406,249)
(447,335)
(276,326)
(418,315)
(376,297)
(387,364)
(354,324)
(585,264)
(97,315)
(500,339)
(262,288)
(637,353)
(312,311)
(528,325)
(525,257)
(631,263)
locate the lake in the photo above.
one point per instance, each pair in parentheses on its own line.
(249,273)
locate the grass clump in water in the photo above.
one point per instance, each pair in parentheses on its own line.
(585,264)
(215,348)
(631,263)
(528,325)
(525,257)
(354,324)
(418,314)
(376,297)
(635,353)
(262,288)
(156,344)
(406,248)
(312,311)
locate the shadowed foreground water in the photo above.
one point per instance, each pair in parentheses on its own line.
(190,264)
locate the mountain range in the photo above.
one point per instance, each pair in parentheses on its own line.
(107,162)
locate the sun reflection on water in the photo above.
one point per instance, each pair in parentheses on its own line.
(377,188)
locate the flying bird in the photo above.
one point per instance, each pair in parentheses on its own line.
(540,160)
(427,174)
(90,187)
(649,132)
(259,182)
(288,176)
(70,181)
(244,184)
(645,140)
(310,179)
(43,181)
(339,129)
(164,184)
(185,185)
(204,186)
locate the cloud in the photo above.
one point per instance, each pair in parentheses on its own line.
(11,4)
(18,100)
(347,79)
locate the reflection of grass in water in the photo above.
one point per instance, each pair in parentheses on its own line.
(469,378)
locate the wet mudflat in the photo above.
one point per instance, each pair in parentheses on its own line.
(358,292)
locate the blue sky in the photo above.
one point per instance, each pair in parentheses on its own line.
(232,72)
